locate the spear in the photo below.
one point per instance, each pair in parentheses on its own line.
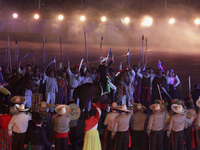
(9,56)
(86,49)
(55,64)
(33,60)
(189,85)
(43,60)
(146,49)
(5,60)
(24,57)
(16,52)
(110,54)
(142,49)
(101,48)
(61,56)
(128,56)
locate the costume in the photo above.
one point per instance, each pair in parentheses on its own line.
(18,127)
(197,127)
(91,139)
(51,89)
(137,123)
(173,80)
(195,96)
(62,95)
(6,140)
(109,121)
(155,126)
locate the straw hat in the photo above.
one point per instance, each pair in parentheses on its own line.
(75,111)
(123,108)
(178,108)
(63,110)
(198,102)
(20,107)
(114,105)
(139,106)
(157,107)
(17,99)
(43,105)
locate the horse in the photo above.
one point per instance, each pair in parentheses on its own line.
(94,92)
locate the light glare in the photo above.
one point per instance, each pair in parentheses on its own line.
(15,15)
(172,21)
(82,18)
(60,17)
(197,21)
(36,16)
(147,21)
(127,20)
(103,18)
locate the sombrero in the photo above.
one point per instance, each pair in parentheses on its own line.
(20,107)
(17,99)
(157,107)
(123,108)
(198,102)
(63,110)
(139,106)
(178,108)
(43,105)
(114,105)
(75,111)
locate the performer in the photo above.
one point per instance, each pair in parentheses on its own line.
(51,89)
(172,79)
(18,127)
(121,126)
(197,125)
(15,100)
(109,122)
(176,127)
(145,87)
(91,139)
(102,69)
(137,123)
(195,94)
(6,140)
(61,126)
(155,126)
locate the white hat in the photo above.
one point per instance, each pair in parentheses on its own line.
(103,59)
(17,99)
(157,107)
(139,106)
(178,108)
(20,107)
(198,102)
(123,108)
(63,110)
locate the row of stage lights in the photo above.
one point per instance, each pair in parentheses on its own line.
(147,21)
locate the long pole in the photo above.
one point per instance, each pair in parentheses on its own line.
(142,49)
(55,65)
(146,49)
(9,58)
(61,53)
(43,52)
(16,53)
(101,48)
(189,85)
(86,52)
(128,56)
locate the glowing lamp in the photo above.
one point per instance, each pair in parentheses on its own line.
(127,20)
(172,21)
(15,15)
(147,21)
(36,16)
(82,18)
(197,21)
(103,18)
(60,17)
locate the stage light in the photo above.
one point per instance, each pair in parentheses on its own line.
(103,18)
(197,21)
(172,21)
(60,17)
(147,21)
(82,18)
(15,15)
(36,16)
(127,20)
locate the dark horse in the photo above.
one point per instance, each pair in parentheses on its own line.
(94,92)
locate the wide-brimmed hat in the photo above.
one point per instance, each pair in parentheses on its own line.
(103,59)
(123,108)
(139,106)
(43,105)
(20,107)
(63,110)
(157,107)
(75,111)
(114,105)
(198,102)
(178,108)
(17,99)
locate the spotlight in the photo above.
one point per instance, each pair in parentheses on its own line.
(147,21)
(172,21)
(103,18)
(15,15)
(60,17)
(82,18)
(36,16)
(127,20)
(197,21)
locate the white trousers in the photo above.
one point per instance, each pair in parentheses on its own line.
(28,97)
(50,98)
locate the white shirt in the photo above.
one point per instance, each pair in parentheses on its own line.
(51,84)
(74,79)
(87,80)
(170,80)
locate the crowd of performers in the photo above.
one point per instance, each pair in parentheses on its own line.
(150,115)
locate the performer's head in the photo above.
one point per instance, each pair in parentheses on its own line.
(171,71)
(39,120)
(150,70)
(28,68)
(94,70)
(76,69)
(135,68)
(87,73)
(146,72)
(63,75)
(104,60)
(51,73)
